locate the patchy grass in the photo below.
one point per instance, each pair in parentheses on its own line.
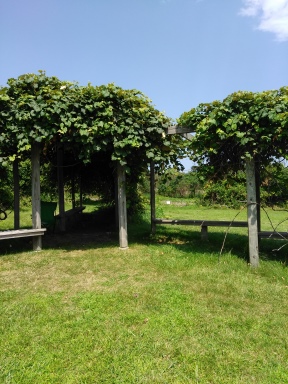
(167,310)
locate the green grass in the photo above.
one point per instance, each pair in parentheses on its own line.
(167,310)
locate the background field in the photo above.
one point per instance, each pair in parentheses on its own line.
(170,309)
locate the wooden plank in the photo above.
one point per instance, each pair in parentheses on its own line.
(152,197)
(176,129)
(252,213)
(122,209)
(36,204)
(207,223)
(14,234)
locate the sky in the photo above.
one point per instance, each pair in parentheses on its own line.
(177,52)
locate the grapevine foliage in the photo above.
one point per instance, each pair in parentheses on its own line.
(243,125)
(86,119)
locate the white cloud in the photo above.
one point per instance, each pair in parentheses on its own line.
(272,14)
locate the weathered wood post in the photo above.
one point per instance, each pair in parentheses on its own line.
(36,204)
(122,208)
(258,197)
(73,189)
(252,214)
(80,188)
(152,197)
(61,197)
(116,213)
(16,194)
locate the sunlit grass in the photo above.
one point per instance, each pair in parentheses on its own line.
(167,310)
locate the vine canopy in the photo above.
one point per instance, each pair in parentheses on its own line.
(243,125)
(87,119)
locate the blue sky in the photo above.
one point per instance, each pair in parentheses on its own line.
(178,52)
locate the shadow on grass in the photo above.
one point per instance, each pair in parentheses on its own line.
(188,239)
(95,233)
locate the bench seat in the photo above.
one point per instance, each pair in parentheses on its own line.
(16,233)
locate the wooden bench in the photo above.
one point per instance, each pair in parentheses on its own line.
(16,233)
(204,224)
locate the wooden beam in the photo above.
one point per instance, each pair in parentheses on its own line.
(258,195)
(15,234)
(122,208)
(152,197)
(61,198)
(273,235)
(80,187)
(252,214)
(16,194)
(116,213)
(176,129)
(36,206)
(205,223)
(73,188)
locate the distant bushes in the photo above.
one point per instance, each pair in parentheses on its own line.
(230,190)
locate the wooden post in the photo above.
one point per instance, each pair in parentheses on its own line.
(258,197)
(36,205)
(116,216)
(73,189)
(152,197)
(80,188)
(204,232)
(16,194)
(61,198)
(252,213)
(122,210)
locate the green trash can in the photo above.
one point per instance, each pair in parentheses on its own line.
(48,219)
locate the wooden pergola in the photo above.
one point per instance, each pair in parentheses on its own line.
(253,207)
(36,232)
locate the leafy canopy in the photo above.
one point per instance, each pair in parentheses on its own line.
(244,125)
(87,119)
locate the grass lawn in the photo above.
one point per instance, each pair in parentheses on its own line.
(167,310)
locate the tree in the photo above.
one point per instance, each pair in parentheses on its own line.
(178,184)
